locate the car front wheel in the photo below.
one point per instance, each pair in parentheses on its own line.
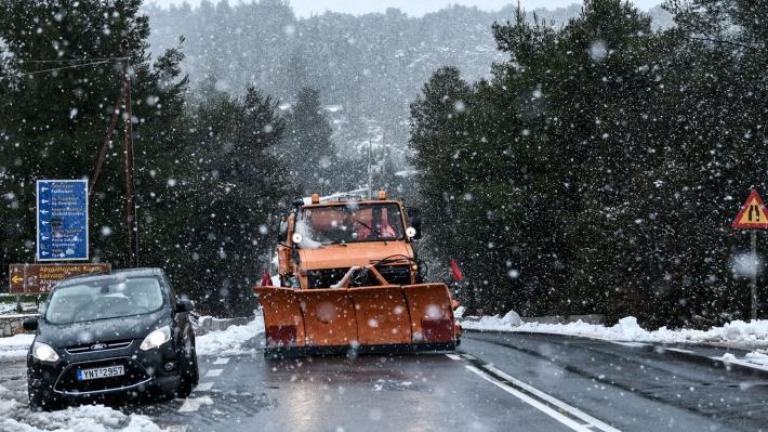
(38,401)
(190,374)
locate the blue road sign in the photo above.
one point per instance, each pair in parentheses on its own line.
(62,220)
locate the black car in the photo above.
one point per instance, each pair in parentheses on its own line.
(122,333)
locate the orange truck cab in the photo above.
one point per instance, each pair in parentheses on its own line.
(349,280)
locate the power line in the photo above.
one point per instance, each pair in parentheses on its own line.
(38,72)
(75,60)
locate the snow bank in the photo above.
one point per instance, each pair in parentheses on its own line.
(506,323)
(236,339)
(15,347)
(7,308)
(736,333)
(628,330)
(89,418)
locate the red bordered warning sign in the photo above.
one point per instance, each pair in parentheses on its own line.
(752,214)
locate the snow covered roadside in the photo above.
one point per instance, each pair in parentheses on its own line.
(15,347)
(88,418)
(628,330)
(235,340)
(733,334)
(7,308)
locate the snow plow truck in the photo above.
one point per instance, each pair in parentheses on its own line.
(349,282)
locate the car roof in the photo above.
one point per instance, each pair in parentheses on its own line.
(133,272)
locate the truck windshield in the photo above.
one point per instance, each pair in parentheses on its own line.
(104,298)
(349,223)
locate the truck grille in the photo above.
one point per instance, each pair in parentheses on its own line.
(395,275)
(325,278)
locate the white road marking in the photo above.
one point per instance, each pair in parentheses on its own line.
(581,415)
(680,350)
(592,423)
(741,363)
(221,361)
(531,401)
(194,404)
(212,373)
(453,356)
(630,344)
(204,386)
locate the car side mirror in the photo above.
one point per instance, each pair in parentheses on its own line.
(184,305)
(30,324)
(414,218)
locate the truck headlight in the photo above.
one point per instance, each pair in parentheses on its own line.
(156,339)
(44,352)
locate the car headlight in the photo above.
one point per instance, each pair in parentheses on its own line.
(44,352)
(156,338)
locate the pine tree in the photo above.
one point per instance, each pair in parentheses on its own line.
(231,187)
(54,115)
(308,149)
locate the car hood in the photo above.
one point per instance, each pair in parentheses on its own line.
(106,330)
(352,254)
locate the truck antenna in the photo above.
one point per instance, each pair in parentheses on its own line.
(370,170)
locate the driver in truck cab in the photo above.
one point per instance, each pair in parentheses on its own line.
(375,229)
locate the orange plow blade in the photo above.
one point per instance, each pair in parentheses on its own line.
(366,319)
(382,315)
(283,319)
(432,320)
(329,317)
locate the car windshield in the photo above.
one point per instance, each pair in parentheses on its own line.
(104,298)
(349,223)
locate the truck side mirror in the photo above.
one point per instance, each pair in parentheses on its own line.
(414,218)
(282,234)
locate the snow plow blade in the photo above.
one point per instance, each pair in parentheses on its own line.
(389,318)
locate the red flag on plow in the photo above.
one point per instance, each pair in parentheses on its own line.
(458,276)
(266,280)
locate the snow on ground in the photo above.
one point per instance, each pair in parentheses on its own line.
(628,330)
(15,416)
(734,334)
(232,341)
(15,347)
(7,308)
(11,308)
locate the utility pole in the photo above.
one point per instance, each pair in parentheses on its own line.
(131,221)
(753,282)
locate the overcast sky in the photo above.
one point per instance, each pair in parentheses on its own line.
(305,8)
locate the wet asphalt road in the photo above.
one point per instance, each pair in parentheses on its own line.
(497,382)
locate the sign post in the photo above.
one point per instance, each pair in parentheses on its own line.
(62,220)
(752,216)
(40,278)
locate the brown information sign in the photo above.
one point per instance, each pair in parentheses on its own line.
(40,278)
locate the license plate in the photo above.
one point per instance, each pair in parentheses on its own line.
(98,373)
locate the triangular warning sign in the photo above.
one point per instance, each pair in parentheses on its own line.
(752,213)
